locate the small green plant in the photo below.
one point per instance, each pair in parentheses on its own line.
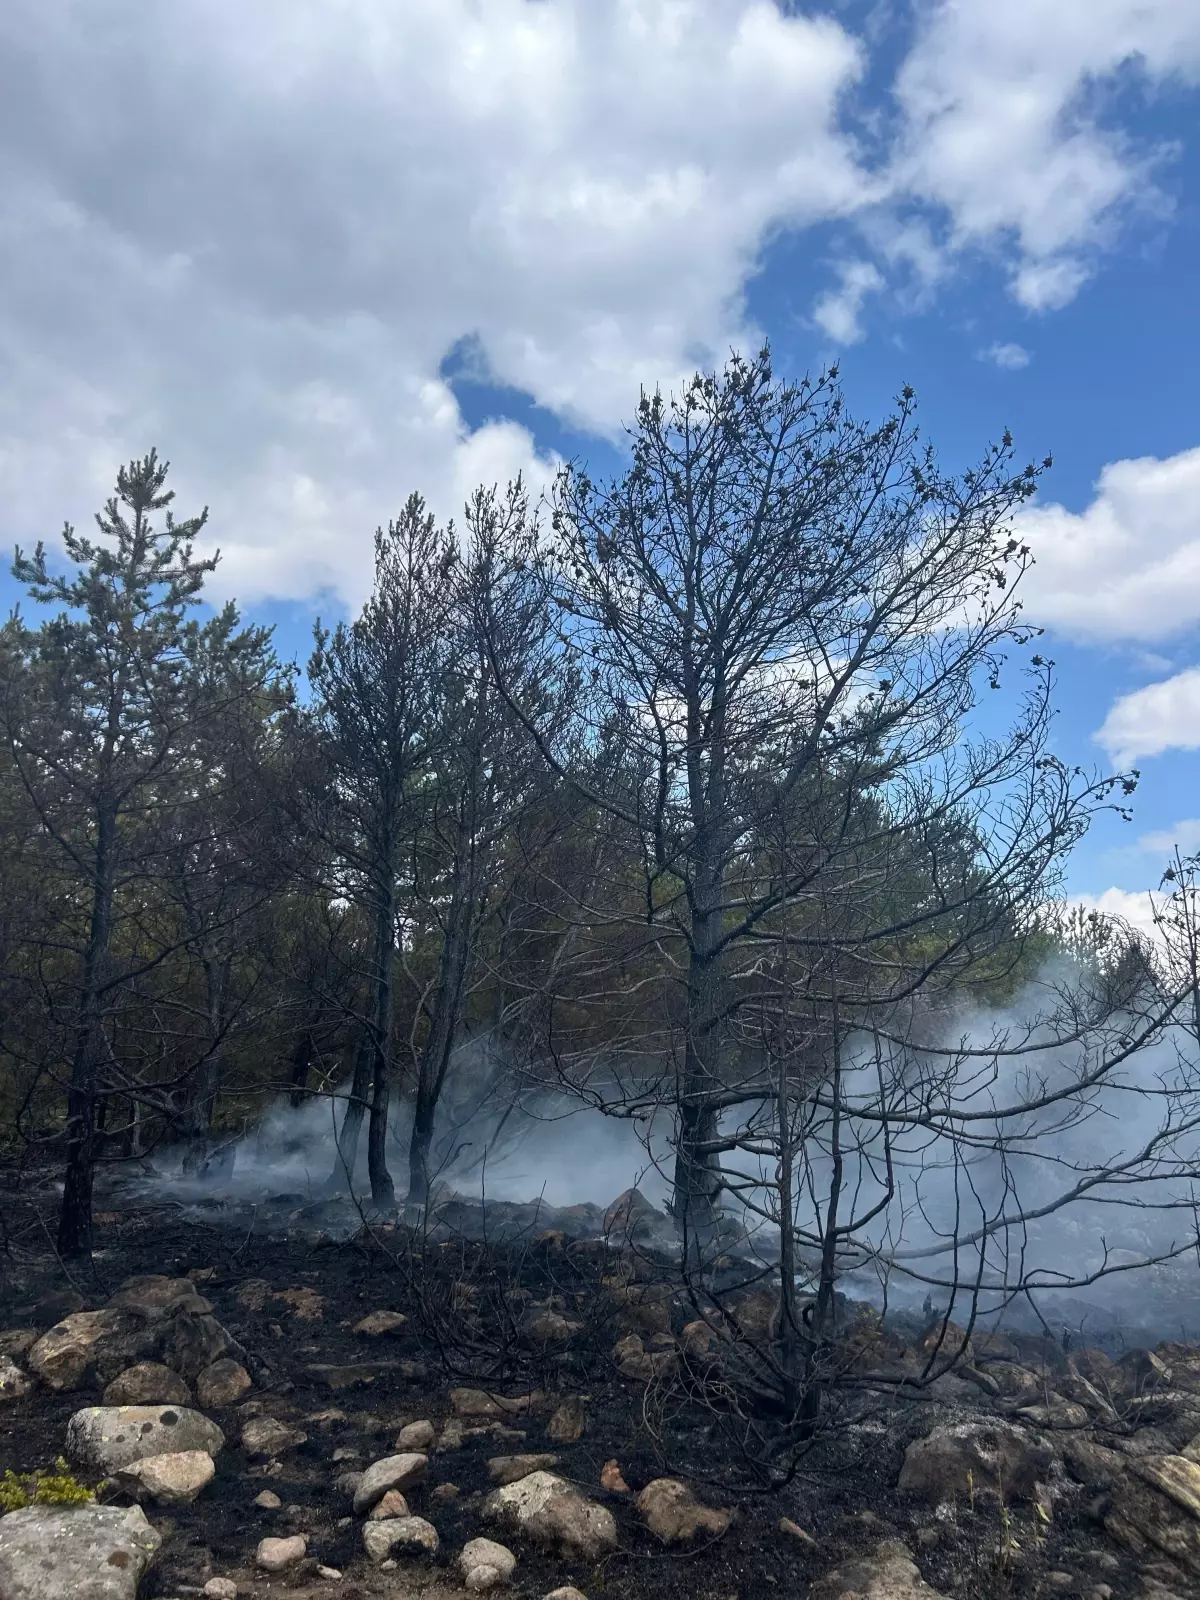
(57,1488)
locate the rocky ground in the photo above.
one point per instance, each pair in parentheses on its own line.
(286,1412)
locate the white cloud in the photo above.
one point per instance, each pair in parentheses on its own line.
(1128,565)
(1134,906)
(1002,127)
(838,311)
(1011,357)
(1183,836)
(1162,716)
(251,234)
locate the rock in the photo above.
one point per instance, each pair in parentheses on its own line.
(54,1553)
(1056,1413)
(547,1510)
(635,1361)
(220,1589)
(267,1437)
(889,1573)
(379,1323)
(973,1457)
(1155,1507)
(566,1594)
(407,1536)
(268,1500)
(644,1307)
(1092,1464)
(795,1531)
(153,1295)
(111,1437)
(445,1491)
(508,1469)
(17,1342)
(64,1357)
(416,1436)
(170,1480)
(393,1472)
(568,1422)
(631,1215)
(475,1403)
(612,1479)
(671,1511)
(393,1504)
(147,1384)
(543,1327)
(222,1384)
(195,1340)
(275,1555)
(14,1384)
(483,1564)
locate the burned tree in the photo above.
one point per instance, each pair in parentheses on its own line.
(104,709)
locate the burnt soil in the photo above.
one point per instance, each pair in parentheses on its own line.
(350,1394)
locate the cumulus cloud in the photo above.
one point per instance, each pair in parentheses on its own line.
(838,311)
(1127,566)
(1162,716)
(1002,127)
(1134,906)
(252,234)
(1183,836)
(1011,357)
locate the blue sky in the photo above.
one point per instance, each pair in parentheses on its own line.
(322,253)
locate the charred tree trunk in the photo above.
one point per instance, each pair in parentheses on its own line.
(200,1105)
(75,1215)
(346,1154)
(302,1060)
(383,1191)
(443,1030)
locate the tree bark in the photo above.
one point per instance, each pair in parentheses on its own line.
(443,1031)
(346,1153)
(74,1239)
(383,1191)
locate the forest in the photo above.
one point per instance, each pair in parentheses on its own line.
(720,796)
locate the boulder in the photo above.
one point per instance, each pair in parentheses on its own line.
(171,1480)
(222,1384)
(392,1472)
(53,1553)
(149,1383)
(193,1340)
(1155,1508)
(546,1509)
(672,1512)
(631,1215)
(508,1469)
(276,1555)
(220,1589)
(393,1504)
(268,1500)
(973,1457)
(542,1327)
(379,1323)
(17,1342)
(888,1573)
(14,1384)
(568,1422)
(416,1436)
(483,1564)
(476,1403)
(108,1438)
(152,1296)
(65,1357)
(268,1437)
(612,1478)
(569,1593)
(405,1536)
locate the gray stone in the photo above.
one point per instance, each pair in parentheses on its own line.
(547,1510)
(222,1384)
(406,1536)
(393,1472)
(111,1437)
(149,1383)
(379,1323)
(171,1480)
(53,1553)
(671,1511)
(484,1564)
(507,1469)
(275,1555)
(416,1436)
(568,1422)
(267,1437)
(220,1589)
(974,1457)
(568,1593)
(65,1357)
(889,1573)
(14,1384)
